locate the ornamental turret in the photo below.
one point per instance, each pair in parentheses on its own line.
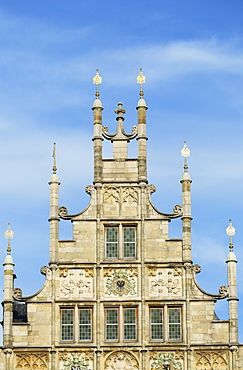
(54,219)
(186,204)
(8,293)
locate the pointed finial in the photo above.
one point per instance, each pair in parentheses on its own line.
(97,80)
(9,234)
(185,152)
(54,168)
(141,79)
(230,230)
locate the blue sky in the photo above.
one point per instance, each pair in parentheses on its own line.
(192,55)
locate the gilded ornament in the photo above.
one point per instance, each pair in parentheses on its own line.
(121,283)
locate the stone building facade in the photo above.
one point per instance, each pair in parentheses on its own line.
(120,295)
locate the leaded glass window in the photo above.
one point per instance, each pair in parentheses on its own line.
(112,242)
(130,330)
(156,322)
(174,323)
(67,328)
(112,324)
(85,330)
(129,242)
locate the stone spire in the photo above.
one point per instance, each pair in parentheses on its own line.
(8,292)
(142,139)
(186,204)
(232,284)
(97,139)
(54,200)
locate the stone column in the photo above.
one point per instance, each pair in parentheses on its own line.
(54,219)
(97,139)
(142,141)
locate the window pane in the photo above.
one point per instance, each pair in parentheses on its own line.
(129,242)
(67,324)
(130,323)
(156,317)
(85,332)
(112,242)
(174,323)
(112,324)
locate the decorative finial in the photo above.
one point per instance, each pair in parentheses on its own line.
(97,80)
(185,152)
(54,168)
(141,79)
(230,230)
(9,234)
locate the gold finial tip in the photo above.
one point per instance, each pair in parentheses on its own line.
(230,230)
(185,152)
(9,234)
(97,79)
(141,79)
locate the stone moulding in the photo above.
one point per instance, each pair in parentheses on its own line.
(223,290)
(121,360)
(177,209)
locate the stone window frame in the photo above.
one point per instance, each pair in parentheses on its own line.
(120,324)
(120,241)
(75,309)
(166,324)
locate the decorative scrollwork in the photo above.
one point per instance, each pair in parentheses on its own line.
(44,270)
(63,211)
(224,291)
(17,293)
(178,210)
(151,189)
(89,189)
(197,269)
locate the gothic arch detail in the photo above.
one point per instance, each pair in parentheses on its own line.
(121,360)
(29,361)
(211,361)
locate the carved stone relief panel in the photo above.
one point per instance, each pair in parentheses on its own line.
(31,361)
(120,282)
(211,360)
(121,360)
(159,360)
(75,361)
(121,194)
(165,282)
(76,283)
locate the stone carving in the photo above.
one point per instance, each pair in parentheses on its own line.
(166,282)
(151,189)
(121,283)
(31,361)
(17,293)
(212,361)
(75,362)
(178,210)
(111,195)
(63,272)
(197,269)
(63,211)
(76,283)
(129,193)
(45,270)
(90,189)
(224,291)
(121,360)
(166,358)
(123,194)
